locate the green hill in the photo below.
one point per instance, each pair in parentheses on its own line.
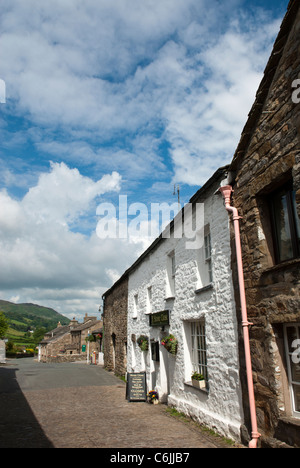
(25,318)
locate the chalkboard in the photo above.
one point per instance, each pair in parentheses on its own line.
(136,387)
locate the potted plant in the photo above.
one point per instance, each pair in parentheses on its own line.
(170,343)
(143,342)
(153,397)
(198,380)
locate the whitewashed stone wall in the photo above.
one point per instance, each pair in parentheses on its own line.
(220,407)
(2,352)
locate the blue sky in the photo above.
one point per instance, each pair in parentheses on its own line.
(107,98)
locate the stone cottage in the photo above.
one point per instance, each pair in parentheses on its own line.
(266,183)
(181,289)
(115,326)
(73,342)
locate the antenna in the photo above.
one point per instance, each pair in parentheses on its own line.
(178,195)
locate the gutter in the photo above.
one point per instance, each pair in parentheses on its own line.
(226,192)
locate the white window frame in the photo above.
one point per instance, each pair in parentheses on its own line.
(199,348)
(207,255)
(149,300)
(293,361)
(135,306)
(171,272)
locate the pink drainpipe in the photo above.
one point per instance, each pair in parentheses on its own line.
(226,192)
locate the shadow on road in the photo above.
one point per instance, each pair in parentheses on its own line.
(18,425)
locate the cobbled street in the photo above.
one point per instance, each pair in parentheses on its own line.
(83,406)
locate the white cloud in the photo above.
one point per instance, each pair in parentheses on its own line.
(204,124)
(98,70)
(63,194)
(40,255)
(105,85)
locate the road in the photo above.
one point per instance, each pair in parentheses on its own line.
(76,405)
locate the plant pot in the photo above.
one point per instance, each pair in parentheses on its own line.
(199,383)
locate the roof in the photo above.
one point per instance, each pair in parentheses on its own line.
(266,82)
(60,331)
(219,173)
(85,325)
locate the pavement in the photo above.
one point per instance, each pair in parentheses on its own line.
(77,405)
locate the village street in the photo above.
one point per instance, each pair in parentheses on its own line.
(75,405)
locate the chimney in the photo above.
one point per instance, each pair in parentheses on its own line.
(73,323)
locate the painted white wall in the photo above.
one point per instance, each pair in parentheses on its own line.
(219,408)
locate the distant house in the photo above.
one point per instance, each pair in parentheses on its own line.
(73,342)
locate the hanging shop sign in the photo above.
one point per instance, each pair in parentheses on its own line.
(160,319)
(136,387)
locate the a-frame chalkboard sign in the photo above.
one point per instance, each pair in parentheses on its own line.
(136,387)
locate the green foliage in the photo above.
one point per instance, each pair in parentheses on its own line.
(90,338)
(3,325)
(197,376)
(143,342)
(26,318)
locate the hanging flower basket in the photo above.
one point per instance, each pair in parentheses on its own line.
(90,338)
(170,343)
(143,342)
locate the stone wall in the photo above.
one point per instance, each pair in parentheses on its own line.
(271,157)
(66,358)
(115,327)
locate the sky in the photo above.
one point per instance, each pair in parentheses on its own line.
(110,98)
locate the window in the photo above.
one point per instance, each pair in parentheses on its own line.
(285,224)
(171,271)
(149,300)
(135,306)
(204,262)
(292,346)
(173,265)
(207,247)
(198,349)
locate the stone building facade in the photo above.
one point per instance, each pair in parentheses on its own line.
(188,293)
(73,342)
(115,326)
(266,182)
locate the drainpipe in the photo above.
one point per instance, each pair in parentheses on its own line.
(226,192)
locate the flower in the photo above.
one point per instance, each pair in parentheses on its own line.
(153,395)
(170,343)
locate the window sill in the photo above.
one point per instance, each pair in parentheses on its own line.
(202,390)
(205,288)
(281,266)
(290,420)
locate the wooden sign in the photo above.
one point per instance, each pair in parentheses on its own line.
(136,387)
(160,319)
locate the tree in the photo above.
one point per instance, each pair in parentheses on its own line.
(3,325)
(38,334)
